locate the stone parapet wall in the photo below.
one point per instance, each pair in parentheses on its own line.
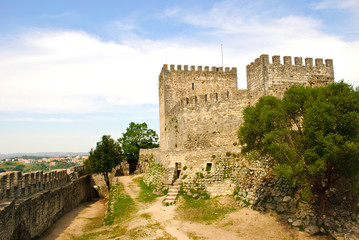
(29,217)
(19,185)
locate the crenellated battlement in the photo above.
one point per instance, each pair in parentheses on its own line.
(193,68)
(287,61)
(18,184)
(273,78)
(212,98)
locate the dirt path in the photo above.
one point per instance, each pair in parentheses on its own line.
(156,221)
(76,222)
(130,186)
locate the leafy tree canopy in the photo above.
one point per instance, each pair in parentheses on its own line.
(312,135)
(106,156)
(19,167)
(137,136)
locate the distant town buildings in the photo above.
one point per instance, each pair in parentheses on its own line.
(51,160)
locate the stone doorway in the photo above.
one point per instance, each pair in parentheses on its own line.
(178,169)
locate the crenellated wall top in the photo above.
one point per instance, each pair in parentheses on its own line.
(287,61)
(186,68)
(17,184)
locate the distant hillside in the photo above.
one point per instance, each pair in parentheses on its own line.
(44,154)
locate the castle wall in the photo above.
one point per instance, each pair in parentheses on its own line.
(265,78)
(177,84)
(32,202)
(190,161)
(206,120)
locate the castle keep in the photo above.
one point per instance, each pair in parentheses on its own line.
(201,111)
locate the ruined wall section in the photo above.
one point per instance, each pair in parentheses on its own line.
(178,84)
(265,78)
(208,120)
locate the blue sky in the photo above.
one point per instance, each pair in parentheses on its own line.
(72,71)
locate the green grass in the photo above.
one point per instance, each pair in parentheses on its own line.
(105,234)
(203,210)
(91,235)
(123,205)
(146,193)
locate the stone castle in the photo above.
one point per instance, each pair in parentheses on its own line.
(201,111)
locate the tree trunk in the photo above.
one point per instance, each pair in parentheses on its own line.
(322,202)
(105,176)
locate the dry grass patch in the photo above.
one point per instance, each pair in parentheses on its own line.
(205,210)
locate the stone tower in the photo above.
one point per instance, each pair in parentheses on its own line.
(179,84)
(264,78)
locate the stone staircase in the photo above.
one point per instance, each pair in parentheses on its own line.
(172,193)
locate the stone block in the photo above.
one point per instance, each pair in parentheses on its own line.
(287,198)
(312,229)
(297,223)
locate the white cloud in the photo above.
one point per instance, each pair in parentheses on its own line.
(54,16)
(71,71)
(248,32)
(342,4)
(74,71)
(67,71)
(32,119)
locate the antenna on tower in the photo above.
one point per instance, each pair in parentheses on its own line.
(222,53)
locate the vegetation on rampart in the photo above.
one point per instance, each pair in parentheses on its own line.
(312,137)
(109,152)
(104,158)
(148,193)
(137,136)
(153,176)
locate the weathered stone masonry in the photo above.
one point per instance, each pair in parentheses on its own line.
(30,203)
(201,111)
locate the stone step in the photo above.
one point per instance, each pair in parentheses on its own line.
(170,197)
(168,201)
(172,193)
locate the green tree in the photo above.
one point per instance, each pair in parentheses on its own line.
(312,136)
(106,156)
(36,167)
(19,167)
(137,136)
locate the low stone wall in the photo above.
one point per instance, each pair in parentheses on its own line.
(154,175)
(27,216)
(261,190)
